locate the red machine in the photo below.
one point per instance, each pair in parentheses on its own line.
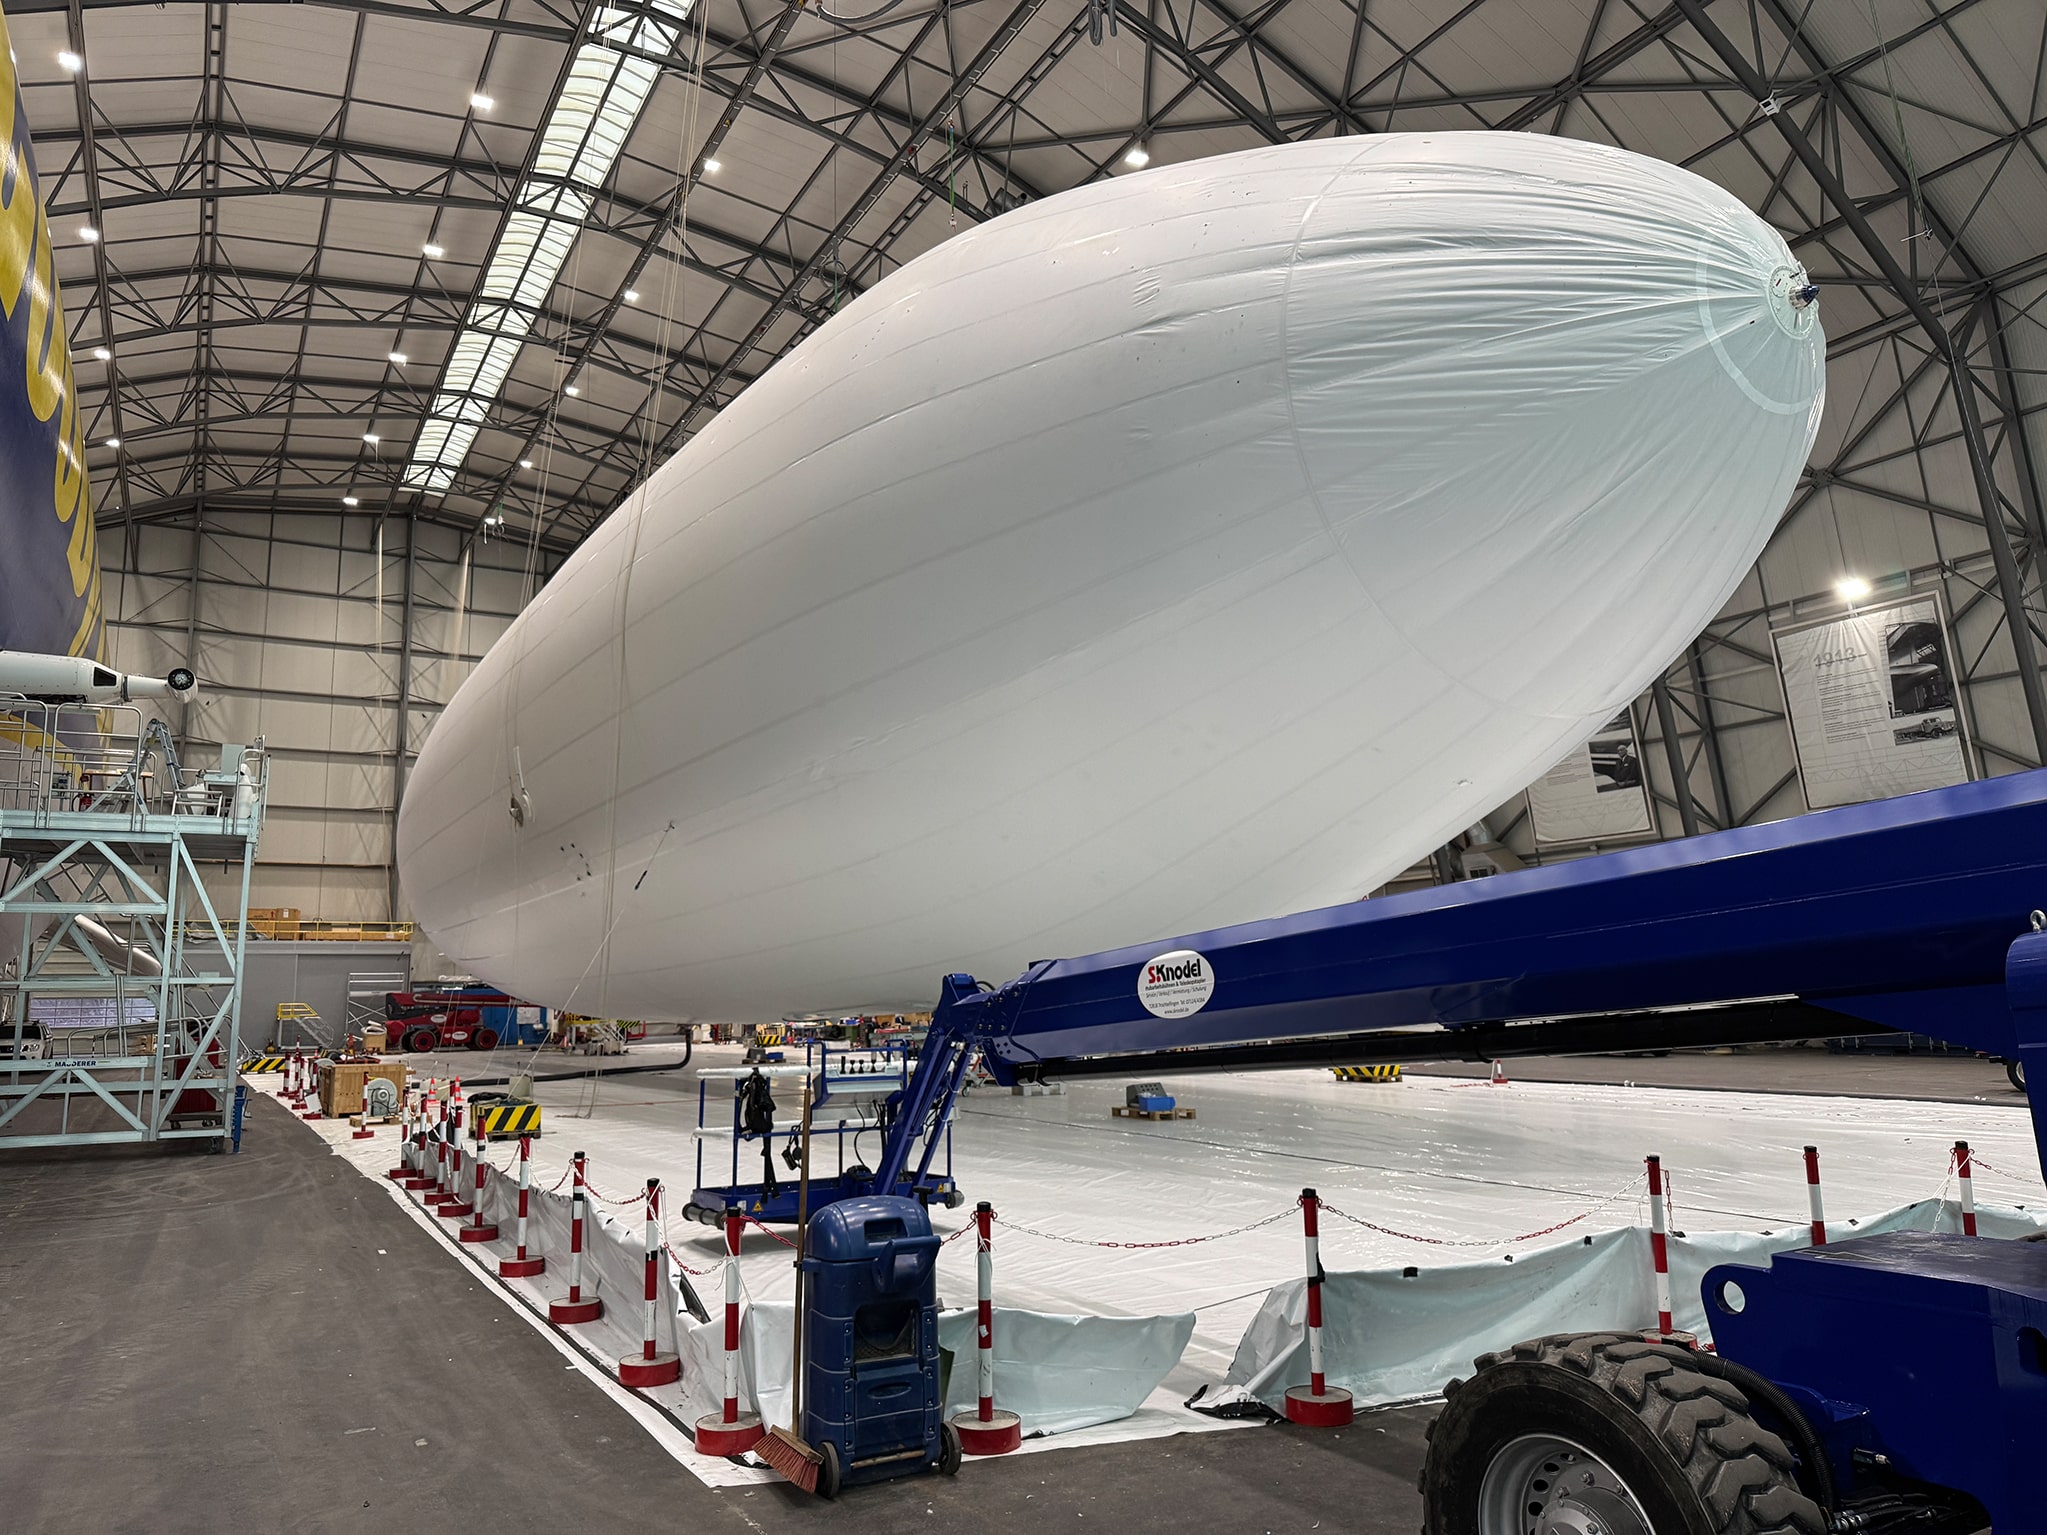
(427,1020)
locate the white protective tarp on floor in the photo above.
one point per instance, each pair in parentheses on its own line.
(1394,1334)
(1057,1373)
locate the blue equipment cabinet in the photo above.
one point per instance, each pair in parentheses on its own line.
(871,1372)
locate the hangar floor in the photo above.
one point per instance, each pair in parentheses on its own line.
(267,1342)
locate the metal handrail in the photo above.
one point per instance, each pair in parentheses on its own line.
(73,758)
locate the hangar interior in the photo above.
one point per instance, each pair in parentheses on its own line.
(379,309)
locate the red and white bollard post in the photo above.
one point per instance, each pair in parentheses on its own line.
(309,1086)
(478,1229)
(1316,1405)
(421,1177)
(988,1430)
(404,1167)
(1812,1194)
(1965,1174)
(730,1432)
(362,1131)
(441,1193)
(456,1207)
(1659,1246)
(1500,1074)
(653,1365)
(576,1306)
(291,1079)
(520,1265)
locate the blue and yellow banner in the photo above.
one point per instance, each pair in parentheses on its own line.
(49,555)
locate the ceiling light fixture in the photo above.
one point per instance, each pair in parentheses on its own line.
(478,102)
(610,79)
(70,62)
(371,437)
(102,354)
(572,391)
(711,167)
(525,463)
(398,358)
(492,520)
(350,501)
(113,442)
(432,251)
(1851,588)
(1138,158)
(632,295)
(87,233)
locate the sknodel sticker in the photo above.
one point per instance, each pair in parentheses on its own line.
(1175,985)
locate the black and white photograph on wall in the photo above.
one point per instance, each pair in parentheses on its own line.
(1871,700)
(1596,793)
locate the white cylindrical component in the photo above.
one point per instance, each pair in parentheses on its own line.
(82,680)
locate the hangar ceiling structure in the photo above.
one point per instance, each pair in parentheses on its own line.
(477,268)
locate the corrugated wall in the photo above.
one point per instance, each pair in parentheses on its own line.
(295,625)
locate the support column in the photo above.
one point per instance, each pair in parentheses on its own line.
(1674,756)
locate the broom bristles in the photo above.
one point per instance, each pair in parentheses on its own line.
(790,1456)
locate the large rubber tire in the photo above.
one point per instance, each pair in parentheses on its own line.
(1695,1460)
(484,1039)
(2016,1071)
(421,1040)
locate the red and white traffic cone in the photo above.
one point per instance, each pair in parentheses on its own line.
(1316,1405)
(576,1306)
(456,1206)
(1965,1175)
(1659,1246)
(988,1430)
(521,1266)
(1500,1074)
(653,1365)
(730,1432)
(1812,1194)
(478,1229)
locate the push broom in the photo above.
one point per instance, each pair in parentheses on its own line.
(784,1448)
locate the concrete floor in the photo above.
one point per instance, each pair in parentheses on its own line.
(266,1342)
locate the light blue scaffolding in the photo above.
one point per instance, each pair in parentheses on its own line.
(120,973)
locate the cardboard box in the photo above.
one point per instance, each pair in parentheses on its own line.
(341,1084)
(374,1039)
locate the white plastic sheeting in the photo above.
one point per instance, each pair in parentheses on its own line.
(1058,1373)
(1187,548)
(1388,1336)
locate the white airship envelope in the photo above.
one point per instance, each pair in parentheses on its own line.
(1196,546)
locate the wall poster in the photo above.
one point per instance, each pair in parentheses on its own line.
(1596,794)
(1872,702)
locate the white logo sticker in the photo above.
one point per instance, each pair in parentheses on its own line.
(1175,985)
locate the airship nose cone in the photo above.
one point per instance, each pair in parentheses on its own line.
(1583,373)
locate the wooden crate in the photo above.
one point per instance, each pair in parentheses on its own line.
(341,1084)
(1122,1111)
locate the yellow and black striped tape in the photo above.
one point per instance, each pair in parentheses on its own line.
(1366,1073)
(260,1063)
(508,1119)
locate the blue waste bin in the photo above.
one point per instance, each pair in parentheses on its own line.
(871,1377)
